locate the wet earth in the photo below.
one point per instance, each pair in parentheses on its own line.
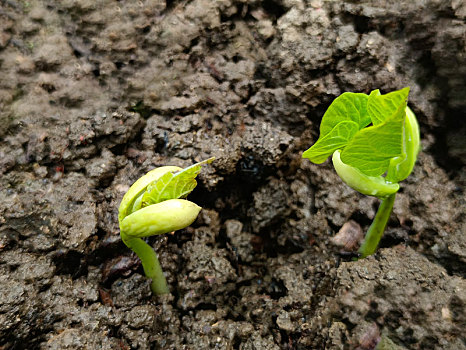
(93,94)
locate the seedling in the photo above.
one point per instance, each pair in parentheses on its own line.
(154,205)
(372,159)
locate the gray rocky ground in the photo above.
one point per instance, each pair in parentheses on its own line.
(93,94)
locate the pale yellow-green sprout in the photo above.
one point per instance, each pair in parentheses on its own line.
(156,204)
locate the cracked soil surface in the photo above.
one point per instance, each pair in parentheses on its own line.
(93,94)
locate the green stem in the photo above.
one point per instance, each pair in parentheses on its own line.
(149,261)
(375,232)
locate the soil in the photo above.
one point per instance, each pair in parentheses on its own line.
(95,94)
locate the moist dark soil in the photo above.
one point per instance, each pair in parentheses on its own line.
(93,94)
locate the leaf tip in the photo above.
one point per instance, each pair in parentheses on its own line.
(306,154)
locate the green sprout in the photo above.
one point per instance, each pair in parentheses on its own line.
(154,205)
(370,159)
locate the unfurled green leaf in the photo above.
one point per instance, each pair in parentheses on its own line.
(335,139)
(382,107)
(348,106)
(362,155)
(372,148)
(173,185)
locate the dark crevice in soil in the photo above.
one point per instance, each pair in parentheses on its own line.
(236,191)
(387,28)
(119,150)
(429,69)
(206,306)
(362,24)
(388,241)
(170,5)
(266,74)
(276,289)
(324,287)
(36,337)
(274,9)
(427,73)
(270,244)
(361,218)
(454,120)
(451,263)
(69,263)
(108,248)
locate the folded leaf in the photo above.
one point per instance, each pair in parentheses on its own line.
(400,167)
(372,148)
(381,107)
(132,199)
(335,139)
(173,185)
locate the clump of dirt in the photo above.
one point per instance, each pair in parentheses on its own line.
(413,300)
(94,95)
